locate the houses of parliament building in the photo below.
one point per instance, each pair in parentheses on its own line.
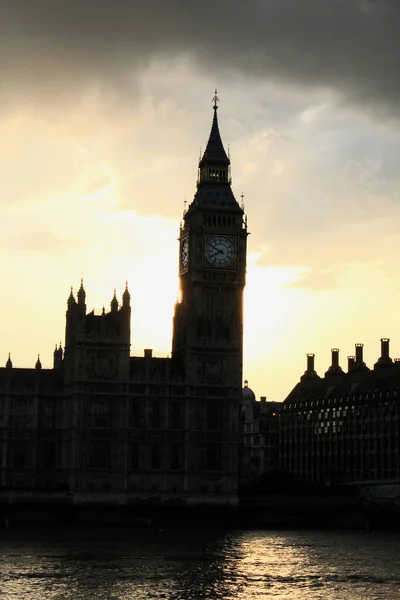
(103,425)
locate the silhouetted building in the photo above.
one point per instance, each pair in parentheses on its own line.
(105,426)
(261,437)
(343,427)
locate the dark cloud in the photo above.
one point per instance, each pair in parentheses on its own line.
(60,47)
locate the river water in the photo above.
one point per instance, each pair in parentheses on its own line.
(197,564)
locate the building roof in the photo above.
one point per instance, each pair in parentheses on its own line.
(25,379)
(355,383)
(248,393)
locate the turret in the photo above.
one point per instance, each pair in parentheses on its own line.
(71,302)
(71,317)
(57,357)
(126,297)
(114,303)
(38,365)
(81,301)
(9,364)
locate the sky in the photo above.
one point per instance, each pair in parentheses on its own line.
(104,108)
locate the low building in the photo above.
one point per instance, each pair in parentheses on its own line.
(261,436)
(343,427)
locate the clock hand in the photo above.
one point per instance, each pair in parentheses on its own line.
(217,251)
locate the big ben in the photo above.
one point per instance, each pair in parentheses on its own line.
(208,320)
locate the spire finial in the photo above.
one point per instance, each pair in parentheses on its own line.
(215,100)
(242,197)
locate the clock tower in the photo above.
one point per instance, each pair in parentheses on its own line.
(208,320)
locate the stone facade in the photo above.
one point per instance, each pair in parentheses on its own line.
(261,437)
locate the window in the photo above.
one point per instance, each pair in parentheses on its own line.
(135,414)
(134,456)
(213,457)
(20,406)
(48,408)
(20,459)
(49,455)
(176,415)
(155,456)
(98,456)
(212,416)
(175,457)
(100,413)
(156,416)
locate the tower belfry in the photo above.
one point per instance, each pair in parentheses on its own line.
(209,318)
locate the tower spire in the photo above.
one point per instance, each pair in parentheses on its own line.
(214,174)
(214,154)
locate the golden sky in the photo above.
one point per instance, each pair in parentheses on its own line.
(95,167)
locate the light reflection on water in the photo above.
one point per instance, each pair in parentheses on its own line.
(197,564)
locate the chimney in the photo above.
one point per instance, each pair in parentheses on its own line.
(384,360)
(350,363)
(385,347)
(310,373)
(359,354)
(148,353)
(334,369)
(359,362)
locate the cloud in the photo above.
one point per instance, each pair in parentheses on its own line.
(317,281)
(42,241)
(62,48)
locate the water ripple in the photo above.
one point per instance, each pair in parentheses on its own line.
(198,565)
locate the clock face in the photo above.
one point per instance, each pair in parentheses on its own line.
(185,253)
(220,251)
